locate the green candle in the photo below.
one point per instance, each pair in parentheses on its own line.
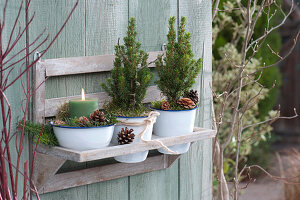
(82,107)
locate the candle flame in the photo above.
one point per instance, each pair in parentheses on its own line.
(82,95)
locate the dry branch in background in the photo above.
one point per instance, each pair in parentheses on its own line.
(232,95)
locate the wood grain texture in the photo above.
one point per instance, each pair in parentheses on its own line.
(153,94)
(195,166)
(15,93)
(94,30)
(106,21)
(104,173)
(152,26)
(118,150)
(51,14)
(45,167)
(86,64)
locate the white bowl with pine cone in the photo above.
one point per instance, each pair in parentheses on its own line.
(175,123)
(134,157)
(83,138)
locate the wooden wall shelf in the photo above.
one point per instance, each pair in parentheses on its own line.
(48,160)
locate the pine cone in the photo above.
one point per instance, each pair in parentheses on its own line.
(186,103)
(83,121)
(125,136)
(193,95)
(59,122)
(98,116)
(165,105)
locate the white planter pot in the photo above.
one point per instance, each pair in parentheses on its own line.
(134,157)
(83,138)
(174,123)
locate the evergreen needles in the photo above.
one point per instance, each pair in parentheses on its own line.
(34,129)
(130,75)
(177,70)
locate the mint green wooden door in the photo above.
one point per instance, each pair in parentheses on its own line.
(94,29)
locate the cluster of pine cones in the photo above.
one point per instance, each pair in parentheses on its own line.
(189,101)
(96,117)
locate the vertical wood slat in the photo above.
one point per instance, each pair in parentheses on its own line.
(196,164)
(152,27)
(39,95)
(106,21)
(71,42)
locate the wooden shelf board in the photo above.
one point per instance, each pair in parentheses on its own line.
(118,150)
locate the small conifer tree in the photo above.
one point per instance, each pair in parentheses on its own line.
(177,70)
(130,75)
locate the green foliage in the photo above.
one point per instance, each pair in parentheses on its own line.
(177,70)
(47,136)
(130,75)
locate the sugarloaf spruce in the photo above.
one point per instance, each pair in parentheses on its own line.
(127,88)
(130,76)
(178,69)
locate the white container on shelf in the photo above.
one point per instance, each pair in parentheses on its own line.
(83,138)
(134,157)
(174,123)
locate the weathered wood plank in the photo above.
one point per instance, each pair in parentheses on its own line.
(45,167)
(111,151)
(71,42)
(104,173)
(86,64)
(106,22)
(152,27)
(39,95)
(153,94)
(15,93)
(196,165)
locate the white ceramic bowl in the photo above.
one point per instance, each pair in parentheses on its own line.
(134,157)
(174,123)
(83,138)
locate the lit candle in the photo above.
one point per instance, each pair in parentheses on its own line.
(83,106)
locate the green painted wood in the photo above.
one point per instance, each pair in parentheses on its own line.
(94,29)
(196,165)
(152,26)
(15,93)
(106,21)
(70,43)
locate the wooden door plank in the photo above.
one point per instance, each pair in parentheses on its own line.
(106,21)
(195,165)
(86,64)
(51,105)
(15,93)
(70,43)
(152,27)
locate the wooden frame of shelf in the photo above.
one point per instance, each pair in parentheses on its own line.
(48,160)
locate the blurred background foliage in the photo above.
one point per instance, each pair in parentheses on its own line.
(228,33)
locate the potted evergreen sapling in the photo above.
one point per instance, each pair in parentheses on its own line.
(127,87)
(177,72)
